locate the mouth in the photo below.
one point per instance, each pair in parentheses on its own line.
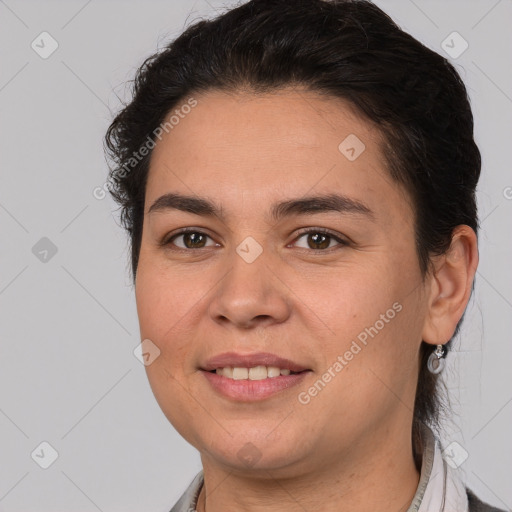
(260,365)
(252,377)
(254,373)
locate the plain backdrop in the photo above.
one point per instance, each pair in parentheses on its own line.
(68,375)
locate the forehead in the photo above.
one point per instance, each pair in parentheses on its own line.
(288,119)
(290,142)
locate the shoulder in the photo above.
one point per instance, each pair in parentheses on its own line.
(476,505)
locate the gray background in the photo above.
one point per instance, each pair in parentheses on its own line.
(68,326)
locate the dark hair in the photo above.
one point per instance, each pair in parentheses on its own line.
(347,49)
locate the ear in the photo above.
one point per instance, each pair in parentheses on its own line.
(451,283)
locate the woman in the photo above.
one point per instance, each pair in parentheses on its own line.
(298,182)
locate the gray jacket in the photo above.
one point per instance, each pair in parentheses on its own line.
(475,505)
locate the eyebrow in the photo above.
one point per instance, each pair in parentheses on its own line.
(300,206)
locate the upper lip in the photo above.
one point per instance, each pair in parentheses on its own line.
(250,361)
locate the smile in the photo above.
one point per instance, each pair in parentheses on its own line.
(254,373)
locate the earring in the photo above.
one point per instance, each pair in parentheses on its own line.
(436,362)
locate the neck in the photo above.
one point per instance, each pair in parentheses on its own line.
(385,478)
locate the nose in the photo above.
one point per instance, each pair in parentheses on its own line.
(251,294)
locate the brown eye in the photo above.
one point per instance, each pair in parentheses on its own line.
(194,240)
(189,240)
(319,240)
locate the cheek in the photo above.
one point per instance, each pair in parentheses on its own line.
(374,319)
(370,367)
(168,306)
(348,300)
(165,307)
(168,301)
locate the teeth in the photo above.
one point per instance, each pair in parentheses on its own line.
(273,371)
(258,373)
(255,373)
(240,373)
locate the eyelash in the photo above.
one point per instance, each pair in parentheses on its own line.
(322,231)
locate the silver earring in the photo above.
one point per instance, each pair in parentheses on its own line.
(436,362)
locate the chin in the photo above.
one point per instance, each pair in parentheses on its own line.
(252,452)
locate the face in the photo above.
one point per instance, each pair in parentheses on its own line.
(299,257)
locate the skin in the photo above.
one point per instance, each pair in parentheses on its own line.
(349,448)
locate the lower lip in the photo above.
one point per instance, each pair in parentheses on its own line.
(246,390)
